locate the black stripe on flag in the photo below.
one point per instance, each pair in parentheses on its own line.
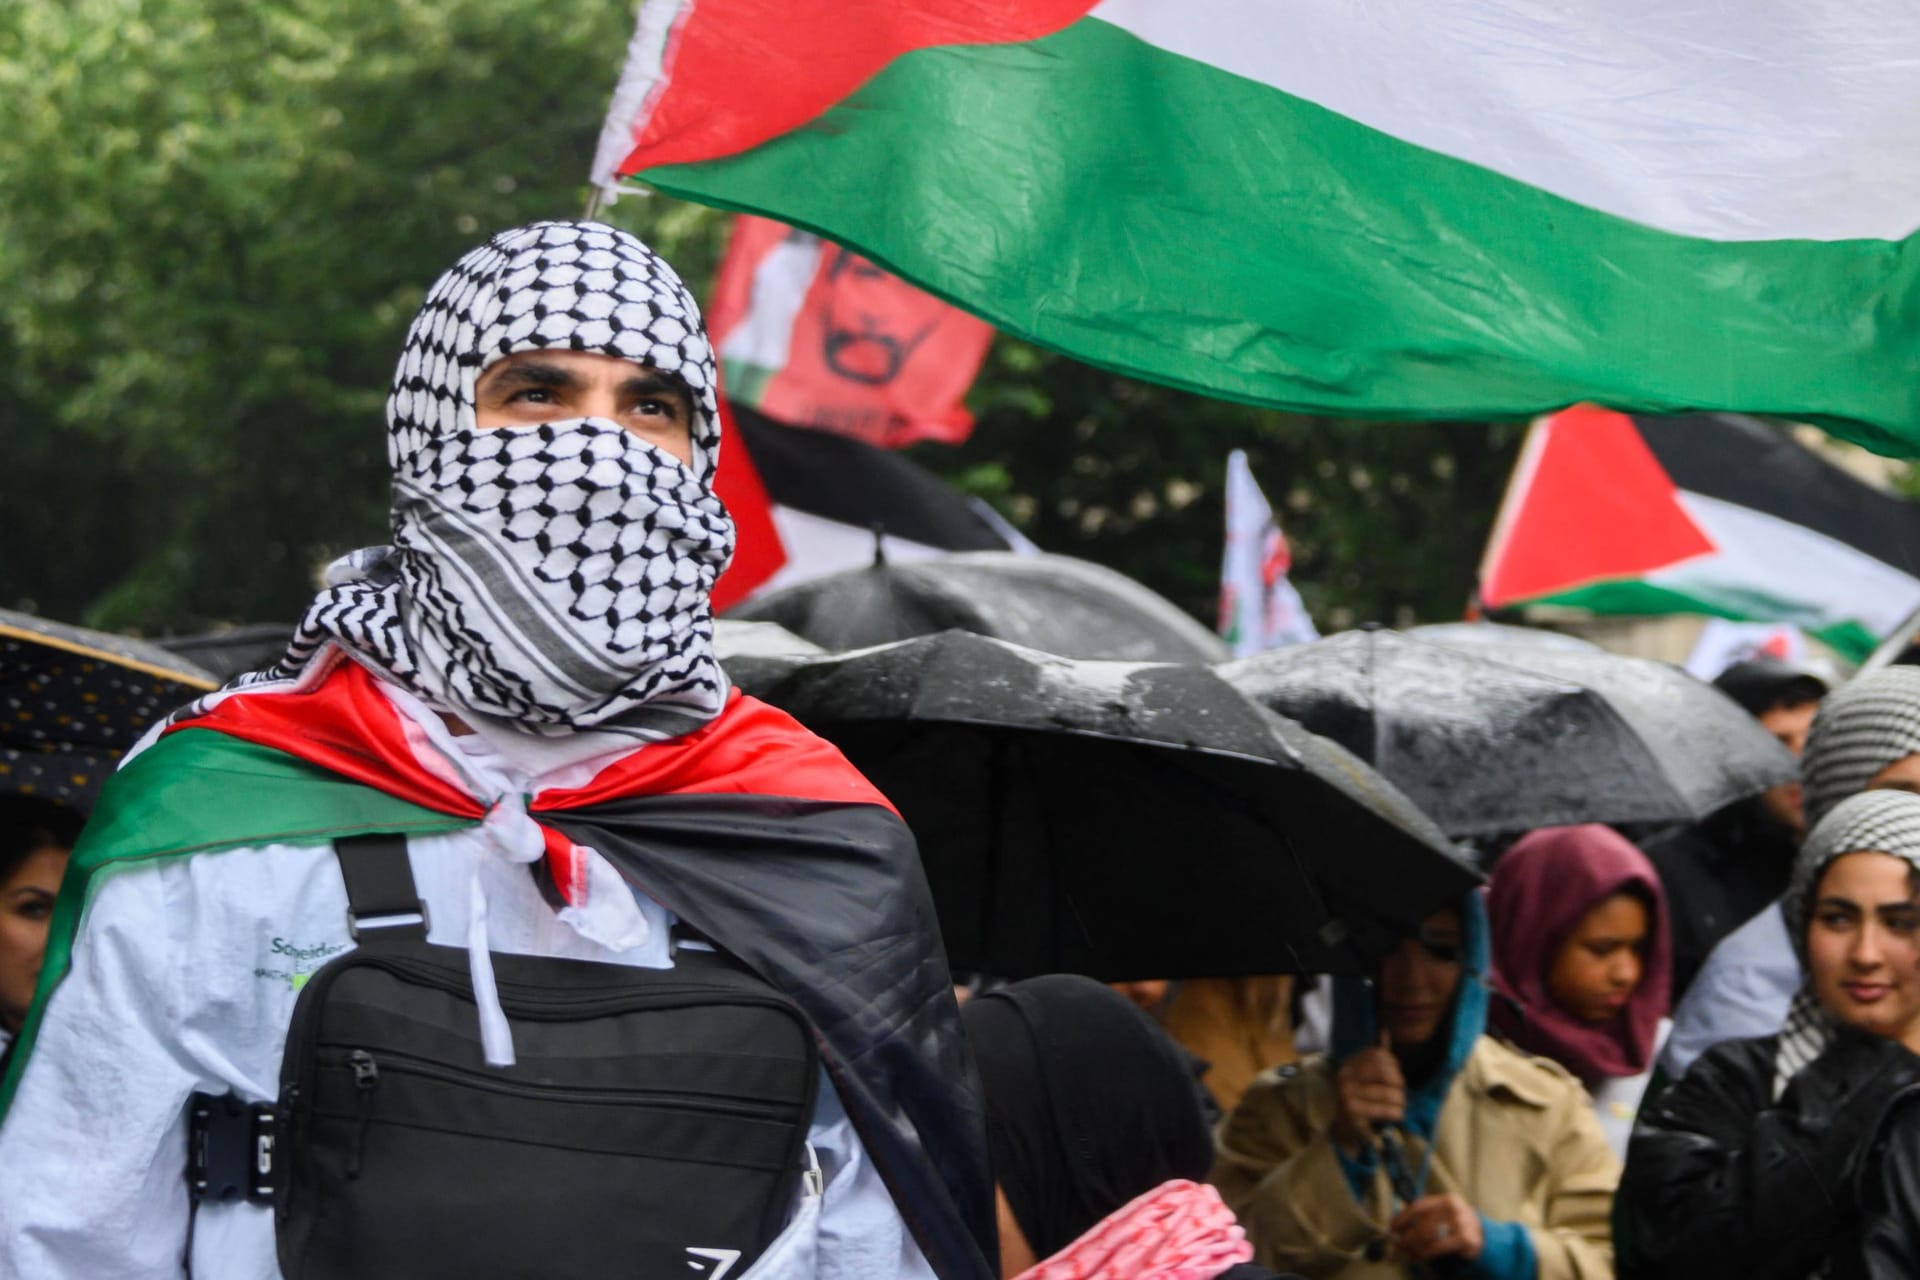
(1757,465)
(849,481)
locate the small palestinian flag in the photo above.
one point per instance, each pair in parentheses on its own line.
(1706,513)
(816,502)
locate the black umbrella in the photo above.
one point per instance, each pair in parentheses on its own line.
(1054,603)
(1123,820)
(232,650)
(734,640)
(1497,742)
(1500,636)
(72,701)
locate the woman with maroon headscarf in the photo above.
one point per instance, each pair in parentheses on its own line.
(1581,962)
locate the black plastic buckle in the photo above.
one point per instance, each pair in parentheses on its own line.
(230,1149)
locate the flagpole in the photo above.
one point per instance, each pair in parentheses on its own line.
(1893,646)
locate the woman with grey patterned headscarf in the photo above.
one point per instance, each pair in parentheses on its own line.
(1866,735)
(1750,1165)
(1867,728)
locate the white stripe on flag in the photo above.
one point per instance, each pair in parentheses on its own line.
(1821,580)
(638,78)
(817,546)
(1765,119)
(780,283)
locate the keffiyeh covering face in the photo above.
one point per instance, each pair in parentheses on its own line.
(1861,728)
(1870,822)
(551,578)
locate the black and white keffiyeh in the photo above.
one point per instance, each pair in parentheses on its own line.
(1868,822)
(545,579)
(1860,729)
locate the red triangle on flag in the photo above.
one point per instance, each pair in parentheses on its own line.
(1588,501)
(758,552)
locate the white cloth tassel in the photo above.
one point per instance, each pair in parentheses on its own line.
(609,914)
(496,1037)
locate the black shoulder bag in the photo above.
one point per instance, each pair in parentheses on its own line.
(654,1123)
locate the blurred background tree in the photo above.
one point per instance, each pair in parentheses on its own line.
(219,216)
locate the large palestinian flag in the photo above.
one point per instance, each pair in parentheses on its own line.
(1711,513)
(1390,208)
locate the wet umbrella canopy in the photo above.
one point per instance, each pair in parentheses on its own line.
(1117,819)
(72,701)
(1500,636)
(1054,603)
(1492,742)
(735,640)
(1711,749)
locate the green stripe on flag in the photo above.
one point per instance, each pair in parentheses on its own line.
(1638,597)
(1145,212)
(744,381)
(198,791)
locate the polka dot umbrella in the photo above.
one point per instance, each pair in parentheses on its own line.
(72,701)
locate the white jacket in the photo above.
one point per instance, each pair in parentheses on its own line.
(183,978)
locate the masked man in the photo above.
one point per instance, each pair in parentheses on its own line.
(524,686)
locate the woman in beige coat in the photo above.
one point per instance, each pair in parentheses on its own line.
(1430,1148)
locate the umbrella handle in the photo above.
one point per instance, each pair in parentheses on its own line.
(1393,1157)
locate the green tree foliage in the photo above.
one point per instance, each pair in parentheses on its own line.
(220,214)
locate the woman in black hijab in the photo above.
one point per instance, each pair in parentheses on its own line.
(1098,1141)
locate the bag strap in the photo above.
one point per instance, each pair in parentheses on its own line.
(382,899)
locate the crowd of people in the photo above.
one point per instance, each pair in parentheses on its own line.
(489,932)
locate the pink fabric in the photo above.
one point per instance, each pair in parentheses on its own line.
(1178,1231)
(1538,893)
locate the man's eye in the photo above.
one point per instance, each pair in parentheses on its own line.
(654,408)
(531,395)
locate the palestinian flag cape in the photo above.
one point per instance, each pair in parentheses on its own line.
(752,830)
(1393,208)
(1714,514)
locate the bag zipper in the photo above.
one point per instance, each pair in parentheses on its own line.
(366,1078)
(558,1006)
(366,1070)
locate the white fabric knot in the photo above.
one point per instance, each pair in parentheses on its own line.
(513,835)
(603,911)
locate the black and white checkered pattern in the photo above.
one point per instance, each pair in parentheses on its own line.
(1866,822)
(553,577)
(1860,729)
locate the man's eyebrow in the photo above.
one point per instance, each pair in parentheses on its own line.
(654,383)
(532,373)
